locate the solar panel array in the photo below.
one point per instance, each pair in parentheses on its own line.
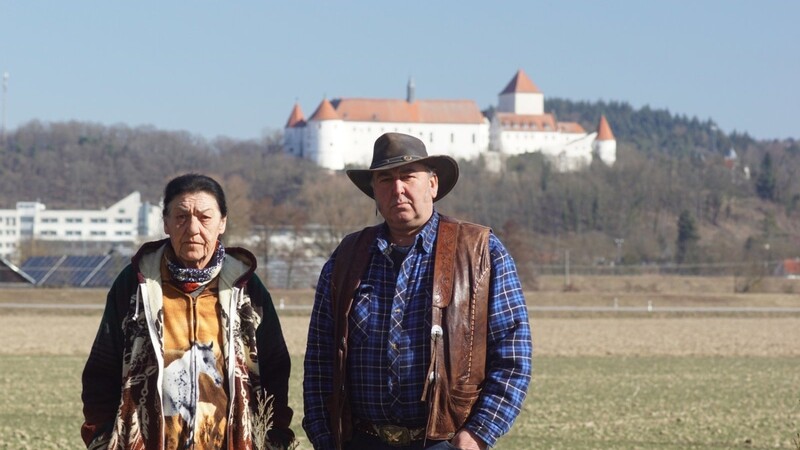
(75,271)
(107,273)
(99,271)
(39,266)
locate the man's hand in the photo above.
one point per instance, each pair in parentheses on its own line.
(467,440)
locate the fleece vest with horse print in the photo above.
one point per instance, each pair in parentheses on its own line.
(194,395)
(124,380)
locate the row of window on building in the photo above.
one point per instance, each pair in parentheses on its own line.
(80,233)
(80,220)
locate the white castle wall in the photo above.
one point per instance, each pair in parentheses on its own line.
(334,144)
(606,151)
(521,103)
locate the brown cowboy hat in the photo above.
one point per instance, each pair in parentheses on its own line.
(396,149)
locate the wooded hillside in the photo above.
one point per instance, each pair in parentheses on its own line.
(672,197)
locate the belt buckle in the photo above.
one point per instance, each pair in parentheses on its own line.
(394,435)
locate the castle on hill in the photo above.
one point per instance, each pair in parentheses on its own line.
(342,131)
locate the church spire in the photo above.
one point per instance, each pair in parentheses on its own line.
(410,91)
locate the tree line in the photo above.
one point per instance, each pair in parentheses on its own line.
(674,195)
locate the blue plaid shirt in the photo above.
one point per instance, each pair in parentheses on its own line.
(389,343)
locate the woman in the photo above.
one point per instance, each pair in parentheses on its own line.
(189,345)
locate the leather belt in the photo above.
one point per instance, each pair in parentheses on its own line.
(393,435)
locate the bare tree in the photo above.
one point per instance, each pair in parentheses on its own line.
(237,193)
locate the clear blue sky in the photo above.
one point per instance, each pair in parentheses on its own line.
(236,68)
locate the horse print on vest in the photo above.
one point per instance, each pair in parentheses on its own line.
(182,381)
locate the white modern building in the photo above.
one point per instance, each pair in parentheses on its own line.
(9,231)
(341,131)
(127,221)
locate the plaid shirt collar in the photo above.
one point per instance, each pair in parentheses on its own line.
(423,241)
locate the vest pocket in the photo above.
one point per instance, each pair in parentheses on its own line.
(462,398)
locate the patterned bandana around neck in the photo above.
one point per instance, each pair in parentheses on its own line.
(189,279)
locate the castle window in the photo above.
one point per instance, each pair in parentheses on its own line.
(452,138)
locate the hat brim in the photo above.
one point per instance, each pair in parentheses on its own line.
(445,167)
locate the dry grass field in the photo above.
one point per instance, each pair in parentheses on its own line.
(611,381)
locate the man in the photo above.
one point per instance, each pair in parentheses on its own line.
(190,345)
(419,336)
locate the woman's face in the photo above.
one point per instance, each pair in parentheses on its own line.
(194,223)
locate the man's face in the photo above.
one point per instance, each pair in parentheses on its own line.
(404,196)
(194,223)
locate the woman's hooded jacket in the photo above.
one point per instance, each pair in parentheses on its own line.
(122,380)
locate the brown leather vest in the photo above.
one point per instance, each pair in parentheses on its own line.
(460,295)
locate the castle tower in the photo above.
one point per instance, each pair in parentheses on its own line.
(293,132)
(323,132)
(605,145)
(521,96)
(410,91)
(295,117)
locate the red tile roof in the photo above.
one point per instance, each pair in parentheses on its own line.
(536,122)
(520,84)
(791,266)
(604,130)
(296,117)
(395,110)
(570,127)
(325,111)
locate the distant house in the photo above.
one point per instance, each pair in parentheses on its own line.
(731,159)
(341,131)
(789,268)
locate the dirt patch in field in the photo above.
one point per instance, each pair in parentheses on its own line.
(47,334)
(683,336)
(31,333)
